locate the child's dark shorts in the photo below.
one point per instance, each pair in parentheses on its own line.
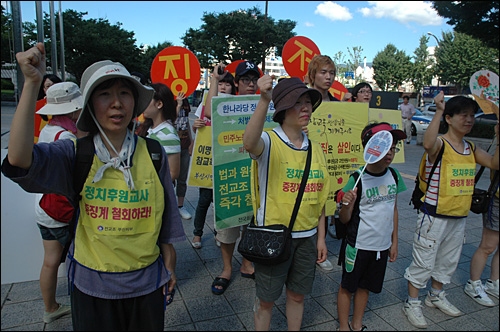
(60,234)
(368,272)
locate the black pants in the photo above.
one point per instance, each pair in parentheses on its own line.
(143,313)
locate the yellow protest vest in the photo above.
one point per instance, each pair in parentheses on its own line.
(118,228)
(286,166)
(456,181)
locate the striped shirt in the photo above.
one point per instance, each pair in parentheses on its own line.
(432,192)
(166,134)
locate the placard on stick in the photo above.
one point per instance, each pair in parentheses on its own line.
(178,68)
(297,53)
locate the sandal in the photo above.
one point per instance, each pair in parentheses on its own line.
(363,327)
(222,282)
(248,275)
(171,294)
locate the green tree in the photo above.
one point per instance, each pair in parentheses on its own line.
(355,60)
(237,35)
(391,68)
(148,56)
(29,29)
(339,60)
(478,19)
(458,56)
(89,41)
(6,37)
(421,73)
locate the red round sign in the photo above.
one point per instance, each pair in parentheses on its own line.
(297,53)
(338,90)
(178,68)
(232,66)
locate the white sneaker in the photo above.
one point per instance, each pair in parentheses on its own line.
(326,265)
(49,317)
(442,304)
(491,287)
(184,213)
(476,291)
(413,310)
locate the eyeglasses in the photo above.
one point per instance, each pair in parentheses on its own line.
(246,80)
(395,149)
(366,91)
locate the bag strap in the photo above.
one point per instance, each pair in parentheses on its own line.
(58,134)
(493,184)
(154,150)
(438,159)
(481,170)
(83,162)
(394,175)
(302,187)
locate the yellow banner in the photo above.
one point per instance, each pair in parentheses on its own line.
(461,179)
(200,170)
(393,117)
(337,127)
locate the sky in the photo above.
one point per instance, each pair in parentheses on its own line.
(332,25)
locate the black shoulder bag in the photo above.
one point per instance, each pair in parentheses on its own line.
(270,245)
(481,199)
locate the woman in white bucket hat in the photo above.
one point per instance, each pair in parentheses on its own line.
(64,103)
(121,260)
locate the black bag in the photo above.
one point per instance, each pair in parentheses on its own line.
(271,245)
(481,199)
(268,245)
(416,196)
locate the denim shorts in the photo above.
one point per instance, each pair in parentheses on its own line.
(490,218)
(60,234)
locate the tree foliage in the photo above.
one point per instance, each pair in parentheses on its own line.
(391,68)
(89,41)
(459,56)
(421,73)
(237,35)
(92,40)
(7,35)
(355,60)
(478,19)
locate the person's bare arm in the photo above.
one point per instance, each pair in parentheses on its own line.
(483,158)
(432,144)
(169,259)
(214,89)
(22,129)
(252,141)
(348,205)
(174,163)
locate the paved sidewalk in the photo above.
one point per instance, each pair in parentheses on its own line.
(196,308)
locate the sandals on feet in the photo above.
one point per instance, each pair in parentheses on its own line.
(221,282)
(248,275)
(363,328)
(196,244)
